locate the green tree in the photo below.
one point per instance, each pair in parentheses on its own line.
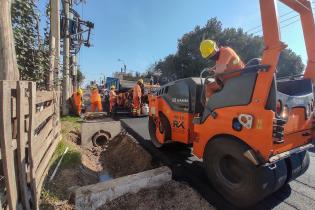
(32,54)
(188,62)
(80,77)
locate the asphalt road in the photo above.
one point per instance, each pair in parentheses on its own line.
(298,194)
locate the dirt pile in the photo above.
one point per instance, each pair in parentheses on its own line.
(124,156)
(172,195)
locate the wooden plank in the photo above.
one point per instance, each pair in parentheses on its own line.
(14,147)
(6,144)
(31,130)
(44,167)
(42,96)
(58,128)
(21,142)
(14,107)
(43,115)
(41,137)
(39,154)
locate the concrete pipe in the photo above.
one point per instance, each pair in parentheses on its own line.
(100,138)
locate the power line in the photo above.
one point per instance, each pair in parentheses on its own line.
(290,24)
(281,27)
(285,20)
(282,21)
(285,14)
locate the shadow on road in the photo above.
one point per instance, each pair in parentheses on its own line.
(312,149)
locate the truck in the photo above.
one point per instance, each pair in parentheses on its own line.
(124,90)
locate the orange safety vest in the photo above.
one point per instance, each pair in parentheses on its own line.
(136,91)
(77,98)
(112,96)
(232,61)
(95,96)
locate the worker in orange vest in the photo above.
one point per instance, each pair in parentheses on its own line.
(96,101)
(112,98)
(137,94)
(226,60)
(77,98)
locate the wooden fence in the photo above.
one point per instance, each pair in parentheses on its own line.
(29,133)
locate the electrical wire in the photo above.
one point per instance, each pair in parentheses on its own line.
(283,15)
(282,21)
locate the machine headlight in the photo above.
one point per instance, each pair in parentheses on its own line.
(285,113)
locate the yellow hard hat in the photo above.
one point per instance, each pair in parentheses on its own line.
(140,81)
(112,87)
(208,48)
(80,91)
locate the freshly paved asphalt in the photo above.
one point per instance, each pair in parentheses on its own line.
(298,194)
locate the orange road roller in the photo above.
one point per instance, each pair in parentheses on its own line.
(253,134)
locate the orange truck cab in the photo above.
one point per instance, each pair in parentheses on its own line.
(252,135)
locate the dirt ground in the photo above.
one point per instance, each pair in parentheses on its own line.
(172,195)
(119,157)
(79,168)
(124,157)
(82,166)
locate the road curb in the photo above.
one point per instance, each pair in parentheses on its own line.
(94,196)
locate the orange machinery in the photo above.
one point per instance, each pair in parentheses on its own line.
(252,135)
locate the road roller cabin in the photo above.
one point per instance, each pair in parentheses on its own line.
(254,133)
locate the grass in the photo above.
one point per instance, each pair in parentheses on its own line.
(49,196)
(73,156)
(70,160)
(70,118)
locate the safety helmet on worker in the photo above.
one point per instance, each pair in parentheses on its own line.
(112,87)
(208,48)
(140,81)
(79,91)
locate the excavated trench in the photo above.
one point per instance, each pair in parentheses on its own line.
(107,158)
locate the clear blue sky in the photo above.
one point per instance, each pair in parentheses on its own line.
(141,32)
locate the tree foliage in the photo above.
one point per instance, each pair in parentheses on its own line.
(188,62)
(80,77)
(32,54)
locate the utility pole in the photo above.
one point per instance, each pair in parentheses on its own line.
(8,65)
(74,72)
(52,47)
(55,32)
(66,55)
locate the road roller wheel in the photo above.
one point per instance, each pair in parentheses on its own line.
(159,130)
(235,177)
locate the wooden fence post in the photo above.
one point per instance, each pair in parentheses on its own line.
(31,127)
(6,145)
(21,141)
